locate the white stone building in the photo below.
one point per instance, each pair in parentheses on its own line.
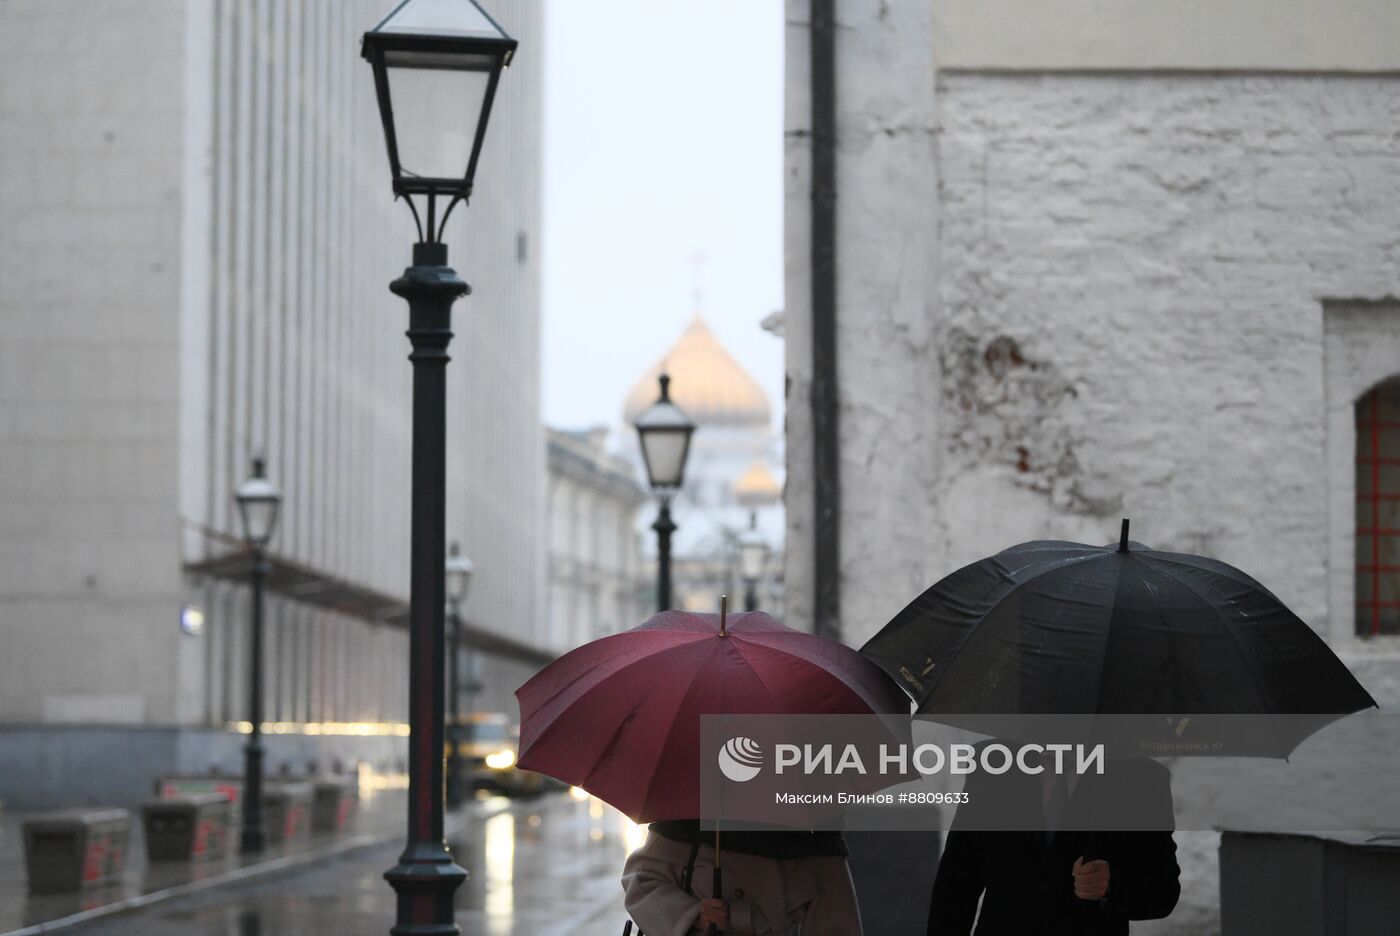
(1095,261)
(196,237)
(598,584)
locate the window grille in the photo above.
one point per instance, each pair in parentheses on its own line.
(1378,511)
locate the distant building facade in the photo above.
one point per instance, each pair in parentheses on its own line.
(598,583)
(1093,265)
(198,234)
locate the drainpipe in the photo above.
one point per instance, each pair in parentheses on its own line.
(826,436)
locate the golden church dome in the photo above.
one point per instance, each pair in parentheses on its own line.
(757,487)
(706,382)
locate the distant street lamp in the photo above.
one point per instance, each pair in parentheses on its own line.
(258,502)
(664,431)
(436,65)
(459,576)
(753,557)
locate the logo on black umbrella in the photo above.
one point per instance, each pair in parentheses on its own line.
(740,759)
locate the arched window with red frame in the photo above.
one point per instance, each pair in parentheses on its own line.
(1378,510)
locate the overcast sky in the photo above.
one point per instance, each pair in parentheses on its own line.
(663,139)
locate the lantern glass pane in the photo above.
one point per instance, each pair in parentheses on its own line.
(259,517)
(456,585)
(435,117)
(665,451)
(752,554)
(442,18)
(459,575)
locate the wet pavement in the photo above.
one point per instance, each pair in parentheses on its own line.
(542,867)
(379,817)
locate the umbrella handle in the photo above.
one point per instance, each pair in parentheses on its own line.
(1091,853)
(718,891)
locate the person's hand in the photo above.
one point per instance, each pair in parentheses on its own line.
(1090,879)
(713,911)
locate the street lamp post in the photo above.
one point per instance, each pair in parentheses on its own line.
(753,556)
(436,66)
(459,575)
(664,431)
(664,527)
(258,501)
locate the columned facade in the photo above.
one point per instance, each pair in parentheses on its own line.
(597,582)
(200,236)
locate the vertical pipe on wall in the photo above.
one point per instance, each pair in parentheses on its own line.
(826,440)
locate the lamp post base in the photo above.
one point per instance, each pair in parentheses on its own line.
(426,880)
(252,839)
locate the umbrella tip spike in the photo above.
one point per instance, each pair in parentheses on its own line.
(1123,538)
(723,613)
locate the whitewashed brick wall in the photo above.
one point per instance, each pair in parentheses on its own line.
(1095,296)
(1134,272)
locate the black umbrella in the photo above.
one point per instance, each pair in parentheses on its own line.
(1052,627)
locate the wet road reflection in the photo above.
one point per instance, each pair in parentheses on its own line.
(543,867)
(499,868)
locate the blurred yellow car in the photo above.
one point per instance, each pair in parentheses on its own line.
(487,746)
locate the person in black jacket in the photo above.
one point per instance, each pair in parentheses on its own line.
(1066,870)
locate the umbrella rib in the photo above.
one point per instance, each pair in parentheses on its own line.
(1213,566)
(646,659)
(690,687)
(1230,573)
(874,705)
(1108,636)
(613,740)
(1239,648)
(753,668)
(645,655)
(1012,586)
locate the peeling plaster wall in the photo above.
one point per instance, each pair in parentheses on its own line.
(1141,262)
(1070,297)
(885,289)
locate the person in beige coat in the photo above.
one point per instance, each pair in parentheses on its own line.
(778,883)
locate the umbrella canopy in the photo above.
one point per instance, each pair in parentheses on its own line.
(1053,627)
(620,716)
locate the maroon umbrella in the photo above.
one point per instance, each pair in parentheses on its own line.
(620,716)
